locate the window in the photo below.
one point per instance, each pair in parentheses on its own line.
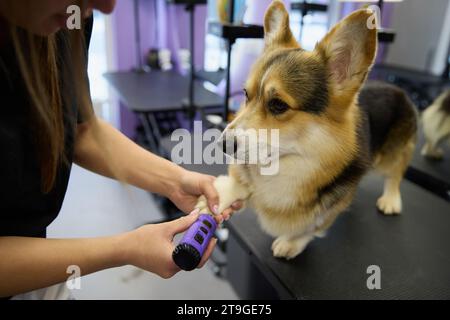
(98,65)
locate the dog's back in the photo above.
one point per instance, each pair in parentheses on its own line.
(390,115)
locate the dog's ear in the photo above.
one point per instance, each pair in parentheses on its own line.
(277,31)
(349,50)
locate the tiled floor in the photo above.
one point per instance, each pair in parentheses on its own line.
(97,206)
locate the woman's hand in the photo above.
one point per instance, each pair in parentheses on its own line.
(150,247)
(35,263)
(192,185)
(122,159)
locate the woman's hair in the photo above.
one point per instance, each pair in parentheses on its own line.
(40,63)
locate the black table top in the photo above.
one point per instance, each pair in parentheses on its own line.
(411,250)
(438,169)
(215,77)
(159,91)
(382,71)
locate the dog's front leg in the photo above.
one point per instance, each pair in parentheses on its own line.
(290,246)
(229,190)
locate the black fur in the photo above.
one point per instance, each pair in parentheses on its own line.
(280,57)
(383,107)
(386,107)
(353,172)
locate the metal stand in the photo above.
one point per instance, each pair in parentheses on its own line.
(140,67)
(380,5)
(230,43)
(305,8)
(191,107)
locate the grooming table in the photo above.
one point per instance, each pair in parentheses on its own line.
(411,250)
(158,92)
(422,87)
(433,175)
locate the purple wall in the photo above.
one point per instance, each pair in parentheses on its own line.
(170,31)
(125,56)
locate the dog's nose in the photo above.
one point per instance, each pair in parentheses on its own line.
(229,145)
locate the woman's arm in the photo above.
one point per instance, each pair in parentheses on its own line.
(103,149)
(31,263)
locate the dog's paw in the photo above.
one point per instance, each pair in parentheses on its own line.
(320,234)
(390,204)
(287,248)
(229,191)
(202,205)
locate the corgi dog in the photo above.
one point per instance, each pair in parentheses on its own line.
(331,131)
(436,126)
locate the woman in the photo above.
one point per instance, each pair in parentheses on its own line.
(46,123)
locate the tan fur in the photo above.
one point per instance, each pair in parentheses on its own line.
(392,163)
(315,147)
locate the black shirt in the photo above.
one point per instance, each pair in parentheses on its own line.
(24,209)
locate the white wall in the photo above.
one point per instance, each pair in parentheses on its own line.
(442,51)
(420,35)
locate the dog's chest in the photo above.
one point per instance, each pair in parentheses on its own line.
(279,191)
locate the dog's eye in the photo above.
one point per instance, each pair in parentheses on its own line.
(277,107)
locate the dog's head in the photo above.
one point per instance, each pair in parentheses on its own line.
(307,96)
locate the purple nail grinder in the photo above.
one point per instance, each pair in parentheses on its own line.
(190,250)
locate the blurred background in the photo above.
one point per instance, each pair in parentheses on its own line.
(157,65)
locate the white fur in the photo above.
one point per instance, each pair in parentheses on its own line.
(301,156)
(436,128)
(229,191)
(300,159)
(390,204)
(275,23)
(286,247)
